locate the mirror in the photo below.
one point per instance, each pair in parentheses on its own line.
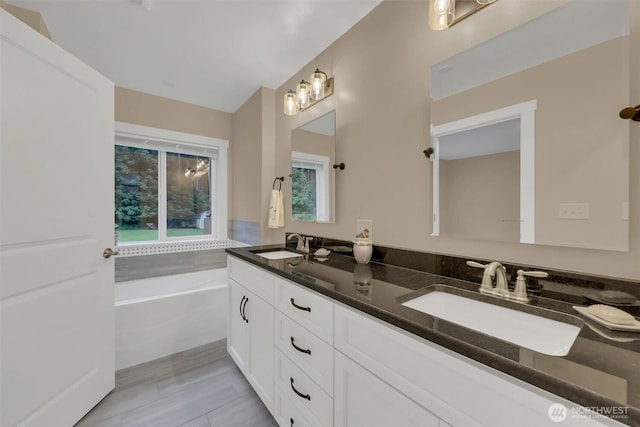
(313,148)
(554,87)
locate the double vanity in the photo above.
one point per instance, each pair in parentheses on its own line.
(329,342)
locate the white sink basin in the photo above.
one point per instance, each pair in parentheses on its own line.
(278,254)
(536,333)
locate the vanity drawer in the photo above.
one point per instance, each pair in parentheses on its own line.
(258,281)
(297,386)
(309,309)
(289,413)
(311,354)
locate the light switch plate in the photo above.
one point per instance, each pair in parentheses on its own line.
(574,211)
(361,224)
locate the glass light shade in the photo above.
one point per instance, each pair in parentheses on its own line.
(485,1)
(290,107)
(441,14)
(318,83)
(303,94)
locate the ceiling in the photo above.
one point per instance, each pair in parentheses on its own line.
(214,53)
(485,140)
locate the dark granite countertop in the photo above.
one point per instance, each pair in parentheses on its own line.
(601,370)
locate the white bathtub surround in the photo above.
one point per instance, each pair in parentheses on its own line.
(159,316)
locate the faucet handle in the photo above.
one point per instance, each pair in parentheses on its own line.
(540,274)
(487,281)
(476,264)
(520,291)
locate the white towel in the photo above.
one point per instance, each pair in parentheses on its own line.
(276,210)
(280,209)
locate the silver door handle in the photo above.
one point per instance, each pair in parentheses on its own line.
(108,252)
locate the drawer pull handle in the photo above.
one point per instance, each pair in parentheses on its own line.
(244,307)
(301,350)
(304,396)
(291,420)
(241,315)
(299,307)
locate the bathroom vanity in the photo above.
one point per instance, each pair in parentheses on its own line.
(329,343)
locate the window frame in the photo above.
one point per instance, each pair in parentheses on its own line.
(162,140)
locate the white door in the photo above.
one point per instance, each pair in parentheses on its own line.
(56,217)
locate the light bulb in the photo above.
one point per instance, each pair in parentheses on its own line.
(290,103)
(441,14)
(303,95)
(441,6)
(318,82)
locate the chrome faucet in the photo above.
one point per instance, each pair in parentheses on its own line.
(491,270)
(301,242)
(497,270)
(501,289)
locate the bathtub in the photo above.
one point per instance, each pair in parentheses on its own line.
(160,316)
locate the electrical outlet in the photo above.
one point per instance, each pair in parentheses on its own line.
(574,211)
(361,224)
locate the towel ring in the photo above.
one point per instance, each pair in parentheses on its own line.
(278,179)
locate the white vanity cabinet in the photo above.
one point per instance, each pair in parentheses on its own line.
(250,329)
(417,377)
(315,362)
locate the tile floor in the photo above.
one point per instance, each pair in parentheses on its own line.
(201,387)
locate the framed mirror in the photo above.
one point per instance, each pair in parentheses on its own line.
(563,182)
(313,147)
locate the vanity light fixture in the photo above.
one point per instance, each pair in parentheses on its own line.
(308,94)
(442,13)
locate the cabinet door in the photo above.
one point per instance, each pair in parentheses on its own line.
(238,337)
(259,315)
(364,400)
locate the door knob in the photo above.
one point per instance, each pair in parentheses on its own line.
(108,252)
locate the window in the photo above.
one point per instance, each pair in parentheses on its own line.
(169,186)
(310,181)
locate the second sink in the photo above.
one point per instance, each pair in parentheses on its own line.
(277,254)
(527,330)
